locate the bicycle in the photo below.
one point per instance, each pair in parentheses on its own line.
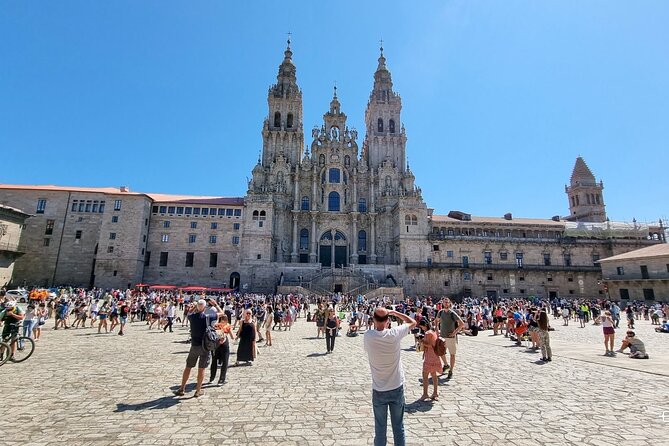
(25,347)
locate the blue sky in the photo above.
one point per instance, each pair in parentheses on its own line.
(499,98)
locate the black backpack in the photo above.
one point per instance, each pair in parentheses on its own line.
(211,339)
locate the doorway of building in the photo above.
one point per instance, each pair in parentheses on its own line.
(333,249)
(338,288)
(492,295)
(234,281)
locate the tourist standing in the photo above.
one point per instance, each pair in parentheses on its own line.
(431,362)
(609,332)
(450,324)
(197,355)
(221,356)
(268,326)
(246,350)
(331,327)
(544,338)
(383,352)
(171,314)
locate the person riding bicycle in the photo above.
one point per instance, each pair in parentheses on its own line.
(11,315)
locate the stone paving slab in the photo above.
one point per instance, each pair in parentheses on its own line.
(81,388)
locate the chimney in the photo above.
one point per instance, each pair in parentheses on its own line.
(508,216)
(556,218)
(124,189)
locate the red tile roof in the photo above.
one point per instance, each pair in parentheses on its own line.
(161,198)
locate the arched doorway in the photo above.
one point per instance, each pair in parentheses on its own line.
(333,249)
(234,281)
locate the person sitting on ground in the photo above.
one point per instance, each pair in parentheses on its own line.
(663,328)
(637,347)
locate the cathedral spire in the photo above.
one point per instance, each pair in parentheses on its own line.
(383,83)
(287,72)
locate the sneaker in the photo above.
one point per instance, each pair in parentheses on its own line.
(450,374)
(549,359)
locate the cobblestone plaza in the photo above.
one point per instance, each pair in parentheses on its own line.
(81,388)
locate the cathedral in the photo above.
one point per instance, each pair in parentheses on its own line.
(332,203)
(334,215)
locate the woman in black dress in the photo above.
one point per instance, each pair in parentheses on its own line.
(247,339)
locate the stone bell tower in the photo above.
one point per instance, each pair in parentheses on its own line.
(586,201)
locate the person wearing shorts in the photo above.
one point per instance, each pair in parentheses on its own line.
(450,324)
(198,355)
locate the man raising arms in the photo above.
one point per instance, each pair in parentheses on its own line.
(383,351)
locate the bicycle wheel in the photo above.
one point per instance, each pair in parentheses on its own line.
(24,349)
(5,352)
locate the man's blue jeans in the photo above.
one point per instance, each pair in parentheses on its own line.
(381,402)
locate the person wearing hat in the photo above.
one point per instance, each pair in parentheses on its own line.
(198,355)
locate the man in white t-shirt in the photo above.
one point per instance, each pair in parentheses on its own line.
(383,351)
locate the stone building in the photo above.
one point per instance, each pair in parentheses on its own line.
(194,241)
(642,274)
(11,226)
(334,216)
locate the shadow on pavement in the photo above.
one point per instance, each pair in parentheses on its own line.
(419,406)
(164,402)
(315,355)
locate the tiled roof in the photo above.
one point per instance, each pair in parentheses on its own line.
(659,250)
(51,187)
(499,220)
(162,198)
(195,199)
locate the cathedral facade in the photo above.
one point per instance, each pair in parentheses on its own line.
(341,213)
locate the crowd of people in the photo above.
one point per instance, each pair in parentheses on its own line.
(250,320)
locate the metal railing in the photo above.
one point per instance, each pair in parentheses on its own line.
(501,266)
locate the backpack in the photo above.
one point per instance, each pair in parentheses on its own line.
(211,339)
(440,347)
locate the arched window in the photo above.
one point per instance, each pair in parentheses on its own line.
(362,205)
(362,241)
(414,220)
(335,175)
(327,236)
(391,126)
(333,202)
(597,197)
(389,181)
(289,121)
(304,239)
(587,198)
(379,125)
(339,236)
(255,215)
(277,119)
(305,203)
(407,220)
(263,215)
(347,161)
(321,159)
